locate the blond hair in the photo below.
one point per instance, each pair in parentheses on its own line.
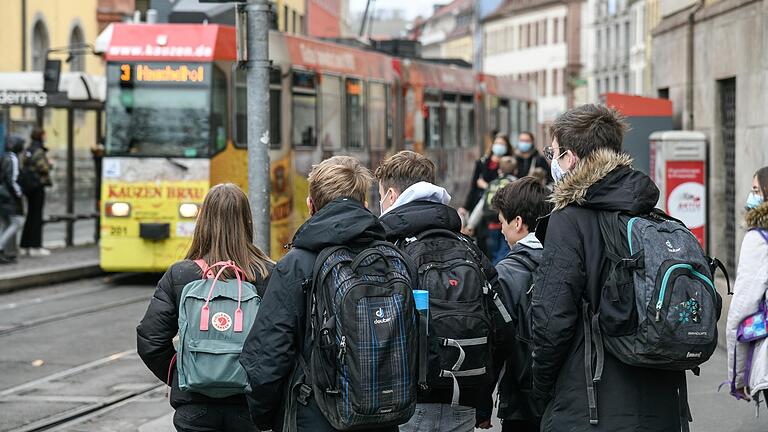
(224,232)
(336,177)
(508,165)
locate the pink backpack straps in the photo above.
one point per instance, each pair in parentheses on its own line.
(207,274)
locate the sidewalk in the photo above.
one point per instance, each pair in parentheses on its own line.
(63,265)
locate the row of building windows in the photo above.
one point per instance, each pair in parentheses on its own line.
(549,82)
(528,35)
(293,21)
(611,36)
(41,43)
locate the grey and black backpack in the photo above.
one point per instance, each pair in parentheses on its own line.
(659,307)
(457,352)
(363,325)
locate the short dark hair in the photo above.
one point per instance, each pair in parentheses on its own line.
(589,128)
(530,135)
(404,169)
(526,198)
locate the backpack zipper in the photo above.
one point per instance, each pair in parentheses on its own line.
(665,281)
(342,349)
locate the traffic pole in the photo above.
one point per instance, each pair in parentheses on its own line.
(257,67)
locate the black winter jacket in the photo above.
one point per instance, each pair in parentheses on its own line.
(524,164)
(155,333)
(409,220)
(270,354)
(515,279)
(573,270)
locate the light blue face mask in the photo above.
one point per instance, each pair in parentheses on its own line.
(524,146)
(499,149)
(753,200)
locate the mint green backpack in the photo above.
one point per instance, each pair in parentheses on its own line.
(215,316)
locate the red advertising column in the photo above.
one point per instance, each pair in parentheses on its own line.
(686,195)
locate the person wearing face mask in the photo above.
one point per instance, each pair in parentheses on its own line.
(750,292)
(486,171)
(592,175)
(528,157)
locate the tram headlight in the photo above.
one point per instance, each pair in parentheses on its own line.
(188,210)
(118,209)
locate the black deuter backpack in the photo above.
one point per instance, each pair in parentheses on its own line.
(457,354)
(364,327)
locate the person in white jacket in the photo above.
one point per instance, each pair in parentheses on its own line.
(750,290)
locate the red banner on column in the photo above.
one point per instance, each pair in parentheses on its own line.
(687,195)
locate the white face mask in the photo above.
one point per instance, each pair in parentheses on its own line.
(557,172)
(381,203)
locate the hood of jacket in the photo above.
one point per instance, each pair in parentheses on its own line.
(410,219)
(421,191)
(606,181)
(757,217)
(343,221)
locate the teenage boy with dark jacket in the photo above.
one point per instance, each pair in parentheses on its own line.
(592,175)
(410,204)
(520,205)
(337,205)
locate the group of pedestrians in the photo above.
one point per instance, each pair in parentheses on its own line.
(500,165)
(25,172)
(401,322)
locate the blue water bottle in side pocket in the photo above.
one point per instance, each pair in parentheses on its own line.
(421,298)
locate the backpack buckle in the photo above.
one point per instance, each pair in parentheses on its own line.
(305,392)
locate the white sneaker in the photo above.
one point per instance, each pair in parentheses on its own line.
(39,252)
(24,251)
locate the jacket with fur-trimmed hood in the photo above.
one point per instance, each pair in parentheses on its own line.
(750,290)
(572,271)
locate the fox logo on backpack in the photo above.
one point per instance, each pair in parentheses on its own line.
(458,349)
(214,318)
(364,330)
(659,306)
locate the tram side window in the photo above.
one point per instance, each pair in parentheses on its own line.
(219,115)
(434,120)
(355,109)
(514,126)
(241,109)
(467,122)
(377,116)
(304,132)
(330,125)
(450,129)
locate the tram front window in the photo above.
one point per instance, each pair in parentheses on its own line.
(161,110)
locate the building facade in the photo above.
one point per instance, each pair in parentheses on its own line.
(709,59)
(540,42)
(326,18)
(611,35)
(448,32)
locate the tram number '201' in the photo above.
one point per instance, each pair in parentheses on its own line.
(118,230)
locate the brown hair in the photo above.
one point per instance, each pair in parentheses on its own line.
(589,128)
(336,177)
(404,169)
(37,134)
(224,232)
(762,181)
(500,136)
(526,198)
(508,165)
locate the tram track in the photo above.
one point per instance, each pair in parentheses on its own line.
(108,284)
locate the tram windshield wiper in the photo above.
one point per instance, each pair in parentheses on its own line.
(177,164)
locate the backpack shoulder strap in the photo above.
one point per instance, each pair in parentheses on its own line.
(207,274)
(525,261)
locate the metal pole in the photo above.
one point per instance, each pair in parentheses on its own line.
(257,66)
(70,176)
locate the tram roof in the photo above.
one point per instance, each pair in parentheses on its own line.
(171,42)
